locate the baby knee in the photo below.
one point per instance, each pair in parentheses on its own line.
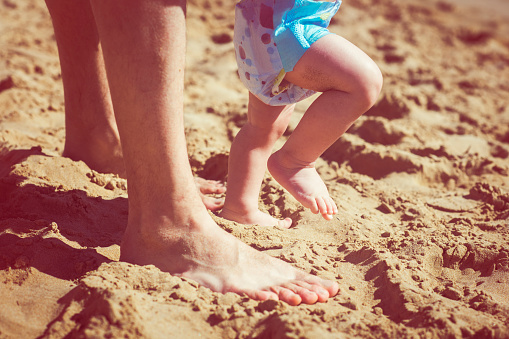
(370,85)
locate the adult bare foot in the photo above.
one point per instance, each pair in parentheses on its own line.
(99,147)
(104,154)
(256,217)
(203,252)
(210,187)
(303,182)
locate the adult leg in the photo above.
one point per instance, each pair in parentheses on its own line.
(91,132)
(248,162)
(90,126)
(168,226)
(351,82)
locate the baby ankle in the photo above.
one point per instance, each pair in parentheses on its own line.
(287,159)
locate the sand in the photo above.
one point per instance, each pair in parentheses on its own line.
(419,247)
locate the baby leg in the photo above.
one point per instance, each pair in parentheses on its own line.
(350,82)
(248,161)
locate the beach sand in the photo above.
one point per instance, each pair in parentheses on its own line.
(420,247)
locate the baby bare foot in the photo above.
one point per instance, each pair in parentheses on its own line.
(217,260)
(256,217)
(303,182)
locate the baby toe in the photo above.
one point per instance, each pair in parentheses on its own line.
(286,223)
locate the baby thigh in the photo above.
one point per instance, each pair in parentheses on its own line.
(332,63)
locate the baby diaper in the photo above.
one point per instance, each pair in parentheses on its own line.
(270,37)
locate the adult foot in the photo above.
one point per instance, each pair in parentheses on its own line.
(200,250)
(210,187)
(303,182)
(256,217)
(102,152)
(99,148)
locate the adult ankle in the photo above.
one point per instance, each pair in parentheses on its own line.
(99,148)
(152,226)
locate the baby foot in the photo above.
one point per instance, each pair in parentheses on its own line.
(255,218)
(303,182)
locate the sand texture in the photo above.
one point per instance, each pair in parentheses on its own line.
(420,247)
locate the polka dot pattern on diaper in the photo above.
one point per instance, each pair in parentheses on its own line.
(266,38)
(266,14)
(242,53)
